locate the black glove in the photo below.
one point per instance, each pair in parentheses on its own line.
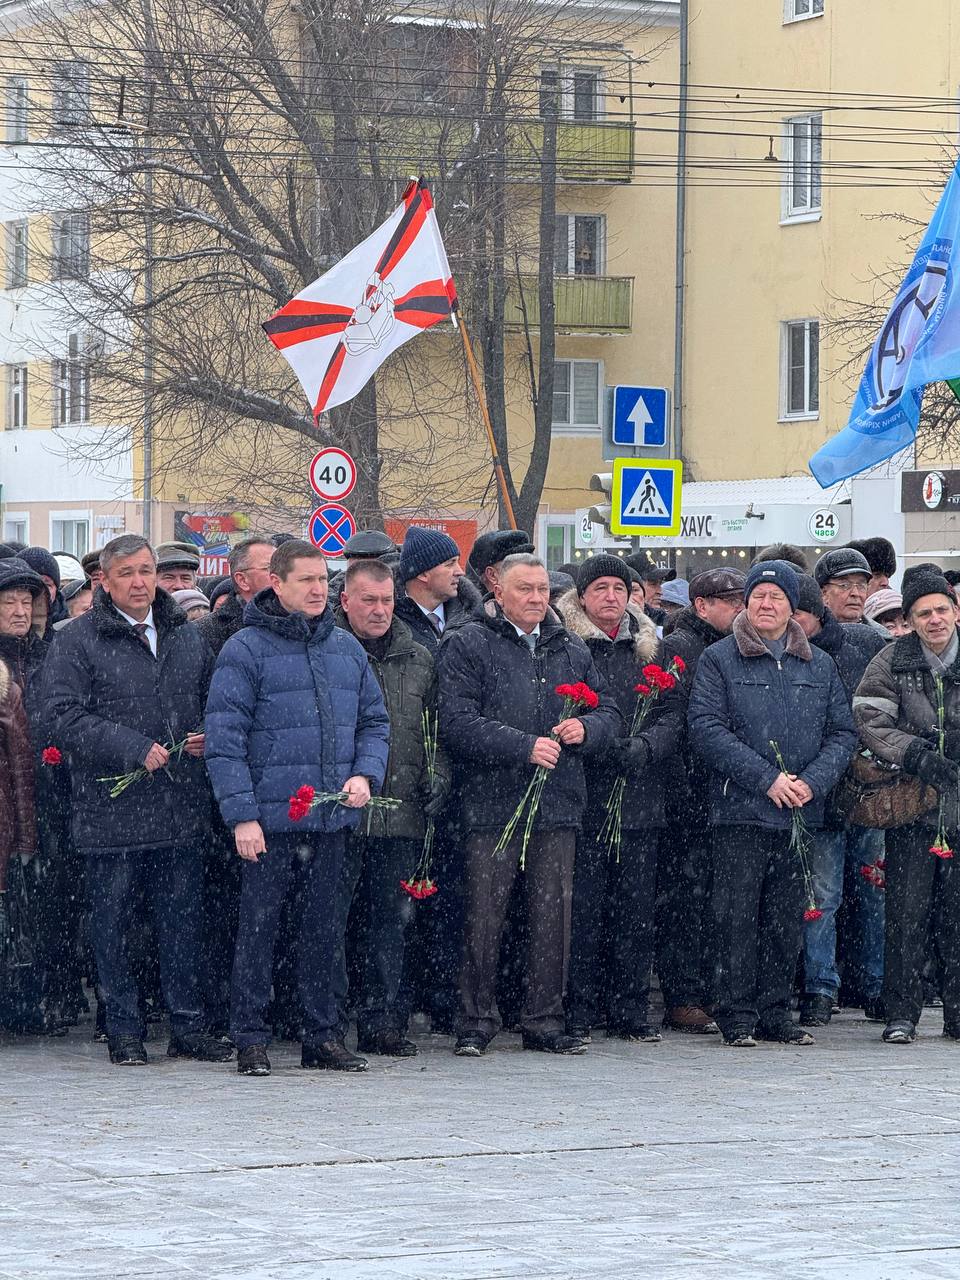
(937,772)
(951,744)
(434,803)
(634,752)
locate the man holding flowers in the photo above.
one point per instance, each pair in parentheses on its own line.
(294,707)
(616,867)
(523,792)
(769,718)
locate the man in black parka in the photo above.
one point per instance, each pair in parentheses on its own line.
(500,717)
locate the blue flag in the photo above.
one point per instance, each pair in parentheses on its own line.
(919,343)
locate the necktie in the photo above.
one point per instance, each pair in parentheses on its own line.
(531,641)
(435,623)
(141,629)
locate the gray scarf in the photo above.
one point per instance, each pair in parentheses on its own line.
(940,663)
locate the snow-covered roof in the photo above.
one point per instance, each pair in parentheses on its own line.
(802,490)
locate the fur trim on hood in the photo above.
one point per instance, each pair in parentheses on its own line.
(751,645)
(634,624)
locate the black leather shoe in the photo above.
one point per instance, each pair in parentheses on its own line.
(815,1010)
(388,1044)
(951,1028)
(639,1032)
(899,1032)
(200,1046)
(788,1032)
(127,1051)
(331,1055)
(253,1061)
(580,1031)
(553,1042)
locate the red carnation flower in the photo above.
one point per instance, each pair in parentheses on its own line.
(51,755)
(306,794)
(812,913)
(419,889)
(679,665)
(643,688)
(941,850)
(651,671)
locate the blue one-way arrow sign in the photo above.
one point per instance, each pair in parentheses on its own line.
(640,417)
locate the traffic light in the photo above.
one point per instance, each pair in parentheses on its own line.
(601,483)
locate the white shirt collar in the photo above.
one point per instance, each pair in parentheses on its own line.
(148,620)
(520,631)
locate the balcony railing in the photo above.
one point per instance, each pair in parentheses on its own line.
(587,150)
(584,304)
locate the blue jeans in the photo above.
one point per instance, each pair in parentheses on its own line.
(831,852)
(171,883)
(318,859)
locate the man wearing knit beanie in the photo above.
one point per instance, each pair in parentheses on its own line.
(909,689)
(432,592)
(602,567)
(41,561)
(769,719)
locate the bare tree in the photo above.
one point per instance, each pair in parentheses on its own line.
(220,156)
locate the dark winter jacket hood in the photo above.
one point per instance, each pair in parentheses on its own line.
(265,610)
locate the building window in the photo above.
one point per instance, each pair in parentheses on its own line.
(71,386)
(17,237)
(16,527)
(575,92)
(71,94)
(580,248)
(18,107)
(803,145)
(71,536)
(16,397)
(71,247)
(800,369)
(576,394)
(795,10)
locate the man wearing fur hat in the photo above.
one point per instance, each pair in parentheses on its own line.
(622,640)
(490,550)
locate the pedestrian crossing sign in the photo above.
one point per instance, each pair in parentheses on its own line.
(645,497)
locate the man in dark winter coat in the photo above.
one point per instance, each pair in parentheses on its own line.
(123,685)
(385,851)
(620,884)
(686,877)
(433,595)
(844,576)
(760,694)
(896,709)
(249,573)
(500,715)
(839,852)
(293,703)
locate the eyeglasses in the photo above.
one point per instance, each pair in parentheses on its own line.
(845,584)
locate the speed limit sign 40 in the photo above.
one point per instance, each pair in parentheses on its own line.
(333,473)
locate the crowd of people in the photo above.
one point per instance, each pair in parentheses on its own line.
(274,804)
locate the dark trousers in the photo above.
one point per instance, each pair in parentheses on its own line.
(684,923)
(170,881)
(489,881)
(611,953)
(758,909)
(436,936)
(922,891)
(221,911)
(318,860)
(378,918)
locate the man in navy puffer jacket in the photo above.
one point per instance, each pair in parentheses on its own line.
(293,703)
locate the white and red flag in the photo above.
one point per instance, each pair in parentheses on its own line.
(338,331)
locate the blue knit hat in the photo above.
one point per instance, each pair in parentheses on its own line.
(423,550)
(780,574)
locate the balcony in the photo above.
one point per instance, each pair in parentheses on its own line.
(584,304)
(587,150)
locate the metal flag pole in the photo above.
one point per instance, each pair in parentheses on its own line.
(478,388)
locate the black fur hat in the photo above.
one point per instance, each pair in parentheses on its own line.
(784,551)
(879,554)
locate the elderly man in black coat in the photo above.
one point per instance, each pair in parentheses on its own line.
(123,685)
(500,716)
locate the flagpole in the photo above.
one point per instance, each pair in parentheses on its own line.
(477,386)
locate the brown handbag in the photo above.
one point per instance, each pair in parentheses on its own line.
(873,793)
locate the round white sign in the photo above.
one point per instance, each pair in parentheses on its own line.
(824,525)
(333,473)
(933,490)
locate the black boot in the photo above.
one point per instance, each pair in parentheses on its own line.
(253,1061)
(815,1010)
(200,1046)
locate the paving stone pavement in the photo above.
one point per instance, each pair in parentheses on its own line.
(837,1162)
